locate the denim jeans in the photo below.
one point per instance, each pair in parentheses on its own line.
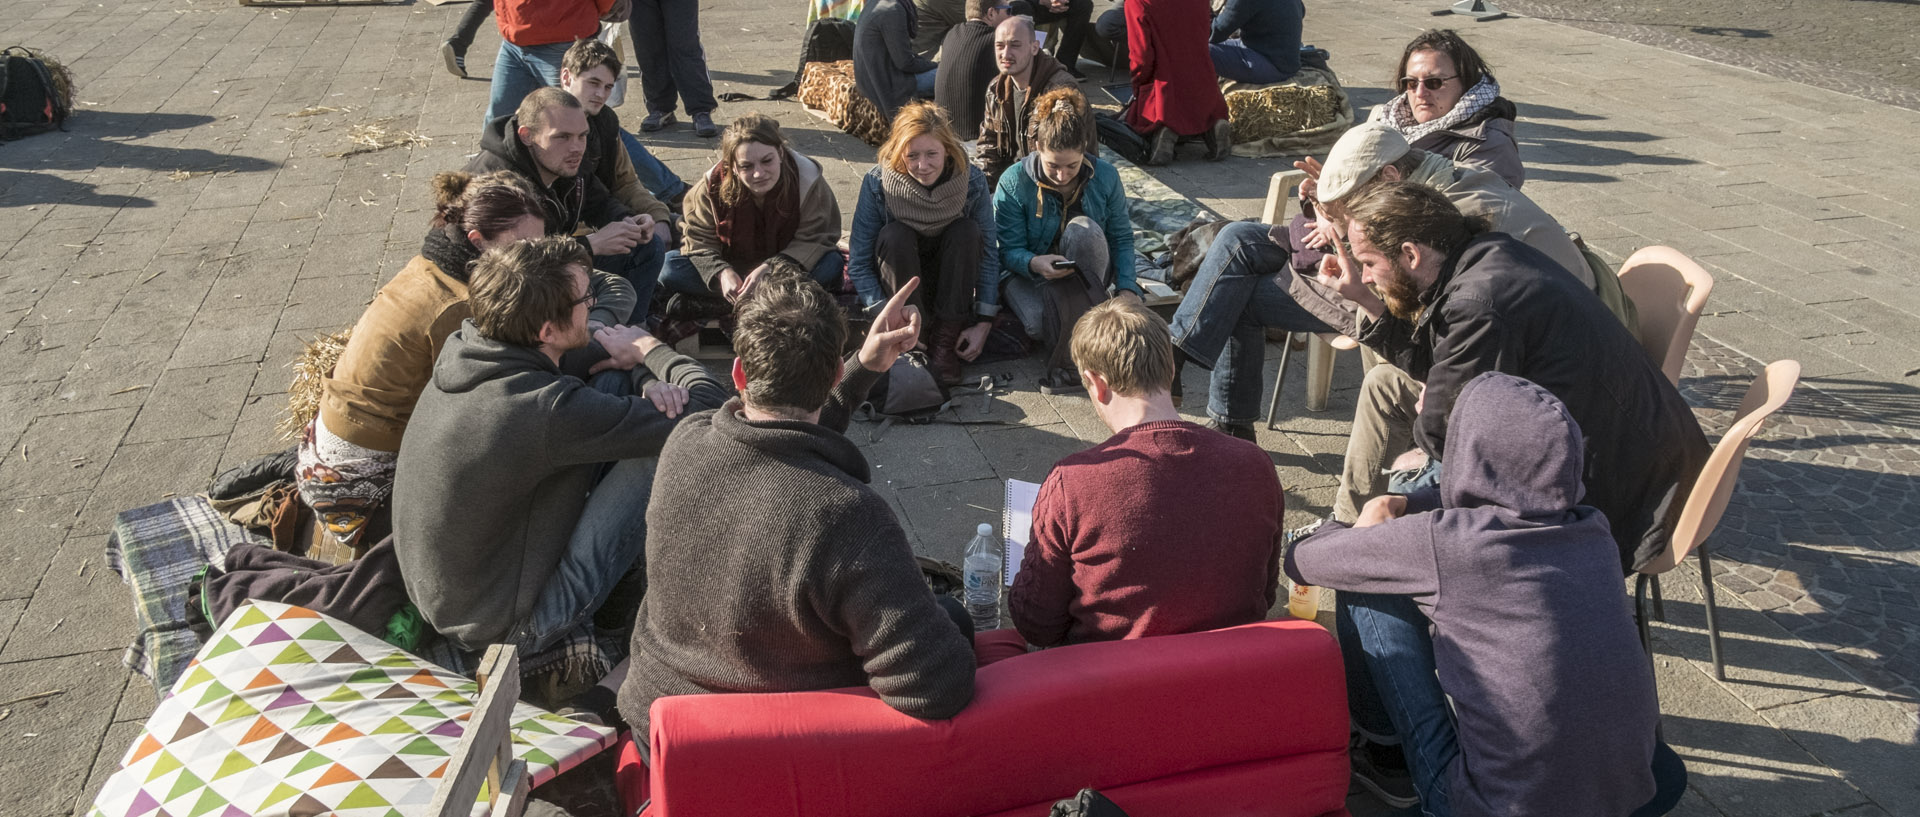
(654,174)
(678,274)
(1414,479)
(923,83)
(1234,61)
(519,71)
(1222,320)
(641,267)
(607,541)
(1392,692)
(666,47)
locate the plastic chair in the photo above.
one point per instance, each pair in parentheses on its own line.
(1708,502)
(1669,290)
(1282,196)
(485,754)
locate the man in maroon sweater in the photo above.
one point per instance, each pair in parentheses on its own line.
(1165,528)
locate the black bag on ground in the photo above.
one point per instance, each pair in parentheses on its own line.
(36,94)
(1088,803)
(826,40)
(1119,137)
(908,392)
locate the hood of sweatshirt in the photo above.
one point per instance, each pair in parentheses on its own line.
(501,138)
(1512,445)
(470,359)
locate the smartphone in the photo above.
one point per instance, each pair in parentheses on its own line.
(1065,264)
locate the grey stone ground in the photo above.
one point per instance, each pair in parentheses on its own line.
(164,259)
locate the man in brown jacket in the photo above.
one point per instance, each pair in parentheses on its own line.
(1025,74)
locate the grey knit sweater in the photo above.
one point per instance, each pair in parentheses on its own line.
(772,567)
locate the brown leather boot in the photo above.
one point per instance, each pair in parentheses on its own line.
(940,352)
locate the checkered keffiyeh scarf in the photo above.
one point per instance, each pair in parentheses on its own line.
(1477,98)
(157,550)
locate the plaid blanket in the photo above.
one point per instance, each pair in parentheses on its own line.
(157,550)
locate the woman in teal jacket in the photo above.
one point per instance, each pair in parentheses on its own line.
(1065,236)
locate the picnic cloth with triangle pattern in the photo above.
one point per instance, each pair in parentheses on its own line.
(289,713)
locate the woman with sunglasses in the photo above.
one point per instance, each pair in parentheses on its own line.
(1450,104)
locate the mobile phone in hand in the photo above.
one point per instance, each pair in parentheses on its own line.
(1065,264)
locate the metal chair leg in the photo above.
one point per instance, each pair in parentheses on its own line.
(1640,614)
(1279,379)
(1659,604)
(1713,624)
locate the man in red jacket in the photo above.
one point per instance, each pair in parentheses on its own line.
(1131,538)
(534,37)
(1175,90)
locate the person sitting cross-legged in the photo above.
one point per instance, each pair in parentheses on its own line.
(925,213)
(771,565)
(1066,237)
(1484,630)
(762,206)
(1131,538)
(505,528)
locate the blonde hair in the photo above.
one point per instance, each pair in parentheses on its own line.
(1127,344)
(915,120)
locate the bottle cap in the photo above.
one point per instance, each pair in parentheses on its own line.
(984,529)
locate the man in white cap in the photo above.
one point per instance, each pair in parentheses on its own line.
(1246,284)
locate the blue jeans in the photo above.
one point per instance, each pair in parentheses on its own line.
(1414,479)
(641,267)
(1234,61)
(1222,320)
(1392,692)
(520,71)
(923,84)
(666,47)
(678,274)
(659,179)
(609,539)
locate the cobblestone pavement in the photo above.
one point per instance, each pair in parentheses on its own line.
(207,212)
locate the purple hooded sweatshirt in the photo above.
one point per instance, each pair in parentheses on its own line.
(1533,637)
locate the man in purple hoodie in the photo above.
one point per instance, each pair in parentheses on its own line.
(1552,704)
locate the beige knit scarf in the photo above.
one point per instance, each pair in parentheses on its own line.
(928,210)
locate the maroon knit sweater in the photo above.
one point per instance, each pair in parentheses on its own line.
(1165,528)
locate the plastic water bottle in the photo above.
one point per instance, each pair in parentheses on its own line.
(1303,602)
(981,569)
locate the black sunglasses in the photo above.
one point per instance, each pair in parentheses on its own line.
(1432,83)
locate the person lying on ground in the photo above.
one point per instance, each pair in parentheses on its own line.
(1026,73)
(1244,287)
(967,65)
(1455,300)
(1257,41)
(763,206)
(925,213)
(772,566)
(1175,90)
(346,456)
(1066,237)
(1484,630)
(545,141)
(1132,538)
(1450,104)
(506,530)
(885,68)
(588,72)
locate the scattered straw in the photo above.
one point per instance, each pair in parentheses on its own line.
(310,370)
(372,136)
(314,110)
(183,175)
(1281,110)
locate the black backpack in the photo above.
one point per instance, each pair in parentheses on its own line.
(35,95)
(826,40)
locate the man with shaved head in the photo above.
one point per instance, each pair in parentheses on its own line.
(1025,74)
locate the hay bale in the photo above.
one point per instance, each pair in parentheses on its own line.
(1282,110)
(310,371)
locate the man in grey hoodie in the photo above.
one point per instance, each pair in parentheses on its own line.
(502,532)
(1553,706)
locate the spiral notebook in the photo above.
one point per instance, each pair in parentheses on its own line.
(1016,523)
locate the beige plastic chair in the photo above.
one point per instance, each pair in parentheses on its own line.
(1708,502)
(1669,290)
(485,754)
(1282,198)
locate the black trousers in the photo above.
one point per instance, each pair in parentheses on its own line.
(948,265)
(1073,26)
(477,13)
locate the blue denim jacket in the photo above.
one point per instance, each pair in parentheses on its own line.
(1029,222)
(870,214)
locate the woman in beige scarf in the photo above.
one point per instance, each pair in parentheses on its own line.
(925,212)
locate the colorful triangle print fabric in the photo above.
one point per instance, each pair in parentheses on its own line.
(268,721)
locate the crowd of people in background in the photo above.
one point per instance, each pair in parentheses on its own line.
(540,460)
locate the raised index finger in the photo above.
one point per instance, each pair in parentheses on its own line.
(892,310)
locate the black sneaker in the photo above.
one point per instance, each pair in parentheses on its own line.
(1382,771)
(684,307)
(455,58)
(1243,431)
(1219,139)
(1061,381)
(1305,531)
(1161,145)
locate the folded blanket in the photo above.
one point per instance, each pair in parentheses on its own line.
(157,550)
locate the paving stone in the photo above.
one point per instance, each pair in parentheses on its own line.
(42,352)
(913,456)
(68,452)
(75,609)
(254,434)
(1868,737)
(10,610)
(113,746)
(32,529)
(225,336)
(49,768)
(197,402)
(327,304)
(144,473)
(944,516)
(1766,665)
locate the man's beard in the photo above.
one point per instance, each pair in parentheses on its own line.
(1400,291)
